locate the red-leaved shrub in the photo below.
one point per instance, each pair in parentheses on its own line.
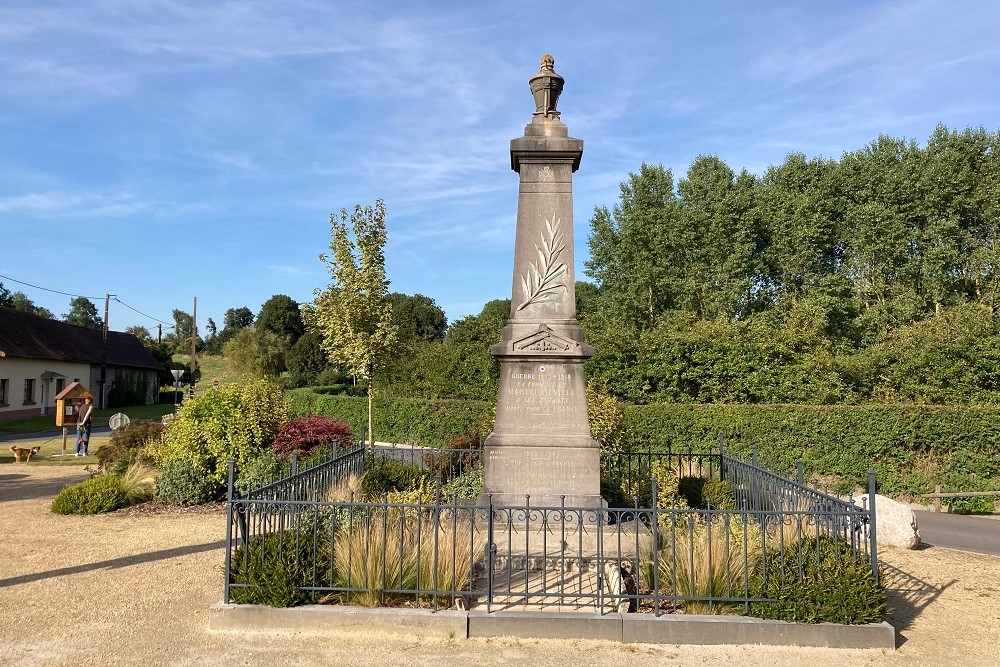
(305,434)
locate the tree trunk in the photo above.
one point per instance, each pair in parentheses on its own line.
(371,432)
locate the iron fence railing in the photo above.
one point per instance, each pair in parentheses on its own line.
(655,558)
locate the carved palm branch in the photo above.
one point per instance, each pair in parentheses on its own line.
(543,279)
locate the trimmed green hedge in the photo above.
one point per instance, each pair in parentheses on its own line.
(910,447)
(423,421)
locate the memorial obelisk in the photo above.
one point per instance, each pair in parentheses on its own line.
(541,447)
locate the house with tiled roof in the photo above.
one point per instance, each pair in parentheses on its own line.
(39,357)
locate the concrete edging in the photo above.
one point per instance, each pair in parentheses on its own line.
(629,628)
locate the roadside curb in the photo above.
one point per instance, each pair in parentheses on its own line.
(629,628)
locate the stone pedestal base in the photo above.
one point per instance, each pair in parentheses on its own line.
(542,476)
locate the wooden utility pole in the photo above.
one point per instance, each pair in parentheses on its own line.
(104,356)
(194,339)
(159,334)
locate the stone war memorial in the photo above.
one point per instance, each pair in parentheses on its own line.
(540,450)
(514,537)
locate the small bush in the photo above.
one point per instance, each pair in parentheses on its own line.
(260,470)
(817,581)
(93,496)
(182,482)
(690,489)
(717,495)
(306,434)
(466,486)
(276,566)
(387,475)
(612,492)
(126,444)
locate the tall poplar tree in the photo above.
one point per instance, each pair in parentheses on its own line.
(354,315)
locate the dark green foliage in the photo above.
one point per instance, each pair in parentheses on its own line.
(819,580)
(182,482)
(467,486)
(972,505)
(276,565)
(93,496)
(127,389)
(689,488)
(261,469)
(611,491)
(280,315)
(126,444)
(306,361)
(83,313)
(385,475)
(910,447)
(425,422)
(417,317)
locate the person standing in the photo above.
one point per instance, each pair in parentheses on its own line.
(84,426)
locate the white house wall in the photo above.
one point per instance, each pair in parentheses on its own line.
(16,370)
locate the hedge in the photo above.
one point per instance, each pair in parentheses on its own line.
(911,447)
(419,421)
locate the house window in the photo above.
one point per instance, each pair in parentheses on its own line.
(60,385)
(29,391)
(4,388)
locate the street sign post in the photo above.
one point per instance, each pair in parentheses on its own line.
(177,373)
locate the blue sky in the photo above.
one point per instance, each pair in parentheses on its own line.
(164,150)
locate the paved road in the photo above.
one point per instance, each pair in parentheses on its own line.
(978,534)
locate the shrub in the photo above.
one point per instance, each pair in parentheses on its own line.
(423,421)
(276,566)
(386,475)
(93,496)
(260,470)
(232,423)
(817,580)
(718,495)
(910,447)
(467,485)
(305,434)
(126,445)
(972,505)
(690,489)
(182,482)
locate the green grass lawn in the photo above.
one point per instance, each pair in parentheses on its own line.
(212,368)
(52,445)
(48,422)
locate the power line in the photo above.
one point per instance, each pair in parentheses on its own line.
(93,298)
(21,282)
(142,313)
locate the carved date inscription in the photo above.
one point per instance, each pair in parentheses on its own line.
(539,391)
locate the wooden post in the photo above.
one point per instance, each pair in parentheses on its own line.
(937,498)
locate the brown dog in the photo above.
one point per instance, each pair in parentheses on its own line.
(23,451)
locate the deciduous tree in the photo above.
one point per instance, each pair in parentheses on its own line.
(353,314)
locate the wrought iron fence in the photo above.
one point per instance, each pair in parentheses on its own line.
(332,549)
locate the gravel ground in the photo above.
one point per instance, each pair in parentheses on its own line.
(135,587)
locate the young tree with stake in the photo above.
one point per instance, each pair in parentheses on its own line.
(354,315)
